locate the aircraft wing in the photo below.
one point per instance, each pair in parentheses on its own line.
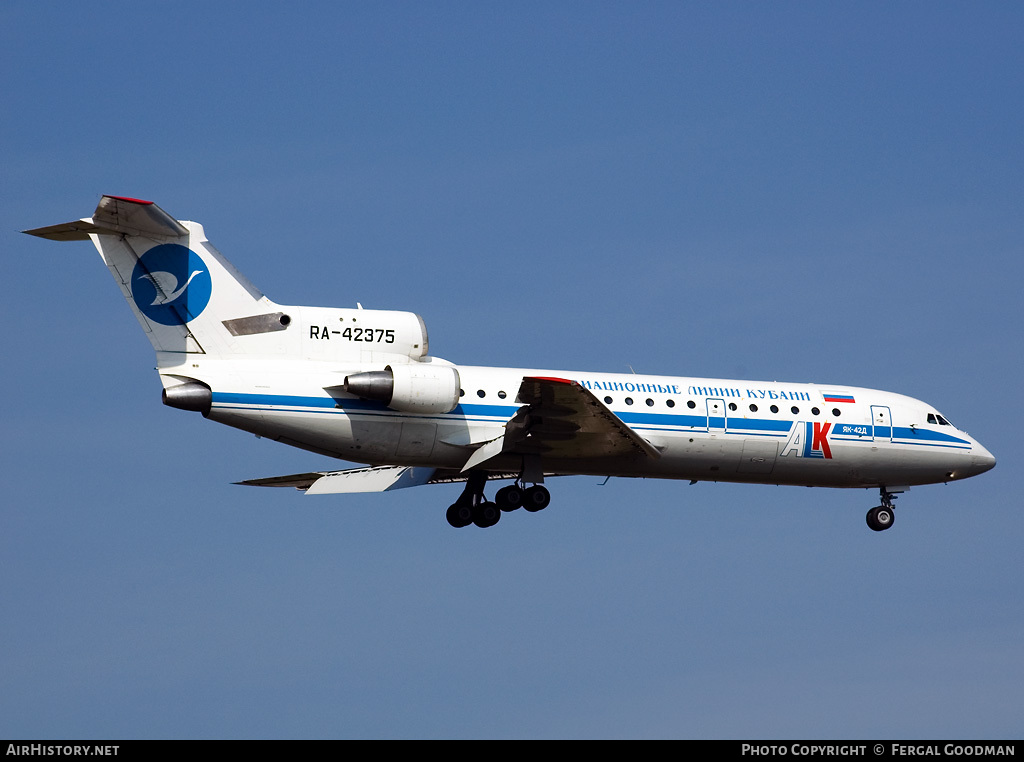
(369,479)
(561,419)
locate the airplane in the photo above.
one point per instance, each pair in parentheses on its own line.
(360,385)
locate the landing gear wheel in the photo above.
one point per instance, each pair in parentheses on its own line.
(464,511)
(509,498)
(536,498)
(459,515)
(485,514)
(881,518)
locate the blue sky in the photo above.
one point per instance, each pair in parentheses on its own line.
(790,191)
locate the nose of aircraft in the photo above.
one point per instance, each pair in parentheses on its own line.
(981,460)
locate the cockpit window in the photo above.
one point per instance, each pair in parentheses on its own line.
(931,418)
(943,421)
(938,419)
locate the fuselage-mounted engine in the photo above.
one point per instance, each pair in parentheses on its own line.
(409,388)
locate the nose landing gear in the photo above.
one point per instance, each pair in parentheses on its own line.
(881,517)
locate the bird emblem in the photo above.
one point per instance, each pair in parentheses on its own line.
(166,285)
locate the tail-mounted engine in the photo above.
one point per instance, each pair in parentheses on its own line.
(191,395)
(412,388)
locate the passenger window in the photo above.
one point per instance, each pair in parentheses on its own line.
(650,402)
(753,408)
(774,408)
(670,403)
(608,400)
(794,410)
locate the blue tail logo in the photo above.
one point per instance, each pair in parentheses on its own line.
(171,284)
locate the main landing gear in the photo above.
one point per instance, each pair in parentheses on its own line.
(881,517)
(473,508)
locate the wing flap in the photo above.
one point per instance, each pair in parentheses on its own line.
(379,479)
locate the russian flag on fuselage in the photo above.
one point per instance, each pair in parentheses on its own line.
(833,397)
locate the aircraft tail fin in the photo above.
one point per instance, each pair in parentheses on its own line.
(184,293)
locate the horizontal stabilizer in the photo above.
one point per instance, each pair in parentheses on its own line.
(117,215)
(76,230)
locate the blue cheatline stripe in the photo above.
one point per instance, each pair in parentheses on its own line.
(760,424)
(240,401)
(701,421)
(647,421)
(234,398)
(664,419)
(926,436)
(503,411)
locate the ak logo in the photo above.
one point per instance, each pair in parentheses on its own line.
(808,439)
(171,285)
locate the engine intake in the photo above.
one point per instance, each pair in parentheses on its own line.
(412,388)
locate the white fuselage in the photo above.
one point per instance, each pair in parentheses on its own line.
(704,429)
